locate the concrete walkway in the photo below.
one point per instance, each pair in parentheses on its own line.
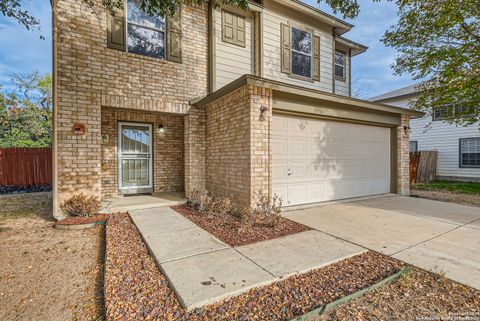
(201,269)
(437,236)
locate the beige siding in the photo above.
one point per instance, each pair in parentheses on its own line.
(232,61)
(275,14)
(343,87)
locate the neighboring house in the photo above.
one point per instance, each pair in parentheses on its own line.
(458,146)
(218,99)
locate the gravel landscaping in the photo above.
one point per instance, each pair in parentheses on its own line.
(417,295)
(46,273)
(135,289)
(230,230)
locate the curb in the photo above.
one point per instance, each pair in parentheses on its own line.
(321,310)
(72,227)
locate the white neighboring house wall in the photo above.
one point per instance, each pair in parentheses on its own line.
(436,135)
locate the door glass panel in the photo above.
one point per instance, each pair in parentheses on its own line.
(135,139)
(135,157)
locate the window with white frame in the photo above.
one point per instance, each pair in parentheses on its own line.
(340,65)
(470,152)
(145,34)
(301,53)
(413,146)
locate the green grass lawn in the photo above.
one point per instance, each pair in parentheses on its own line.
(459,187)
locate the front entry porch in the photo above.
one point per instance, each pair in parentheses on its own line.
(125,203)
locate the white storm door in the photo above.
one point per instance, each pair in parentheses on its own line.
(134,158)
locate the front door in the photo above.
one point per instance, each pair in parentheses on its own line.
(135,158)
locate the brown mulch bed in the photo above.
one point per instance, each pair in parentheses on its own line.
(83,220)
(228,228)
(135,289)
(417,295)
(447,196)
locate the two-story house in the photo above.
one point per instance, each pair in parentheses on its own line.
(458,146)
(218,99)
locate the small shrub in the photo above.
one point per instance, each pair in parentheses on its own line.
(266,211)
(81,205)
(209,204)
(194,199)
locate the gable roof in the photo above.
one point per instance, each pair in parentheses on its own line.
(404,91)
(340,26)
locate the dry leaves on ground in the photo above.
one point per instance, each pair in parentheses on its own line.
(46,273)
(446,196)
(417,295)
(229,229)
(137,290)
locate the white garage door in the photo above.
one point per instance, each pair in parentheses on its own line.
(319,160)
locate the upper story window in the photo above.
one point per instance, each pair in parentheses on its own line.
(470,152)
(340,65)
(145,34)
(413,146)
(449,111)
(233,29)
(301,53)
(132,30)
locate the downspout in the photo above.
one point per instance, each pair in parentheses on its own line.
(350,72)
(211,48)
(333,61)
(55,210)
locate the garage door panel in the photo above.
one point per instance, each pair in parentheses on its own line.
(298,148)
(329,160)
(279,126)
(279,147)
(297,194)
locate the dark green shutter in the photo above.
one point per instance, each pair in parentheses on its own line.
(286,49)
(174,36)
(316,58)
(116,31)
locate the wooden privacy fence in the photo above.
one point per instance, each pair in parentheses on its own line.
(423,166)
(25,166)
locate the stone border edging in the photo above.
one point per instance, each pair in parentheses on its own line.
(321,310)
(70,227)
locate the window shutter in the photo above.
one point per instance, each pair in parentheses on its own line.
(286,49)
(240,31)
(316,58)
(174,36)
(116,31)
(228,27)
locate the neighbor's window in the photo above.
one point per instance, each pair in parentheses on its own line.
(145,34)
(413,146)
(470,152)
(340,65)
(440,113)
(301,53)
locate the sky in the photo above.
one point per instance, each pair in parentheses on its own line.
(23,51)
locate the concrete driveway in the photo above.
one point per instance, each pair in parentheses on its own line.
(436,236)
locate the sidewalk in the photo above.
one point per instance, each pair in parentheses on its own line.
(202,269)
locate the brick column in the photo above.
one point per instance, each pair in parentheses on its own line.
(403,156)
(194,150)
(260,152)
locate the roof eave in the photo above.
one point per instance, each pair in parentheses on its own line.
(322,97)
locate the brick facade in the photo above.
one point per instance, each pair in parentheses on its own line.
(90,76)
(237,139)
(167,149)
(403,156)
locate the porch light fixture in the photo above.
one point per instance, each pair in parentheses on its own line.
(263,110)
(161,128)
(406,129)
